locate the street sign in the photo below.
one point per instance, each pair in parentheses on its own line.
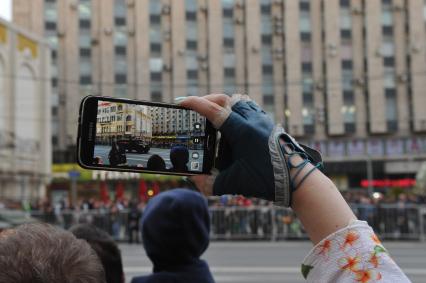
(74,174)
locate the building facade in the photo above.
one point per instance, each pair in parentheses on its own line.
(170,121)
(116,121)
(25,129)
(347,76)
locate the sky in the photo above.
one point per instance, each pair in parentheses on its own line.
(6,9)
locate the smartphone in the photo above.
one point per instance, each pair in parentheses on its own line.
(141,136)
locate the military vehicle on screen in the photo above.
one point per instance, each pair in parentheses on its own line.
(137,145)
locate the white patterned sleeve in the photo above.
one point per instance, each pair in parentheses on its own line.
(352,254)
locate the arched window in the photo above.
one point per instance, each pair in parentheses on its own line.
(26,108)
(129,118)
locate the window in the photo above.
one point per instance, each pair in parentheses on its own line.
(50,26)
(120,78)
(85,40)
(391,108)
(85,80)
(85,52)
(50,12)
(155,64)
(305,22)
(389,61)
(120,37)
(84,9)
(387,17)
(129,118)
(120,50)
(268,100)
(345,19)
(191,45)
(84,23)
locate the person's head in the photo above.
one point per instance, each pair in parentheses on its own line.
(175,228)
(114,145)
(41,253)
(98,160)
(106,249)
(179,156)
(156,163)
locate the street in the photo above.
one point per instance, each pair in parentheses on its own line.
(264,262)
(134,159)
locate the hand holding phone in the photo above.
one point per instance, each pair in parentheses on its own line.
(140,136)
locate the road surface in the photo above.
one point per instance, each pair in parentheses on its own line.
(264,262)
(134,158)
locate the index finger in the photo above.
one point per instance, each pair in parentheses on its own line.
(215,113)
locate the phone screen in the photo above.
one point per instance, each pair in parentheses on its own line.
(150,137)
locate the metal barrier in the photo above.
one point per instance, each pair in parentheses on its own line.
(397,222)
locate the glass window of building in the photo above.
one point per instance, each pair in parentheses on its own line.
(228,43)
(84,39)
(50,12)
(85,63)
(305,22)
(84,9)
(156,65)
(387,16)
(191,52)
(345,18)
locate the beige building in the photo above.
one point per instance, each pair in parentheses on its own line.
(120,120)
(348,76)
(25,102)
(170,121)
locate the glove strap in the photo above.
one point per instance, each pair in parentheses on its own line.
(291,151)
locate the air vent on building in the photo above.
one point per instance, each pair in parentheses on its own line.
(130,3)
(277,18)
(203,8)
(94,40)
(61,33)
(415,48)
(254,49)
(398,8)
(74,5)
(108,31)
(239,4)
(359,82)
(319,86)
(181,52)
(332,49)
(166,9)
(202,57)
(204,66)
(378,52)
(277,2)
(167,67)
(131,32)
(357,10)
(238,21)
(402,78)
(167,35)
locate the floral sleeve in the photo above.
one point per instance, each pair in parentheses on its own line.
(352,254)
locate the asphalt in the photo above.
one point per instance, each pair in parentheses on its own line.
(263,262)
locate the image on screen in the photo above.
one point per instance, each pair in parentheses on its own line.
(149,137)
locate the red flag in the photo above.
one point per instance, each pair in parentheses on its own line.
(156,188)
(104,192)
(119,191)
(142,190)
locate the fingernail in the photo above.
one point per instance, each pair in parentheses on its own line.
(180,98)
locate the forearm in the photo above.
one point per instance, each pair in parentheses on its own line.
(319,205)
